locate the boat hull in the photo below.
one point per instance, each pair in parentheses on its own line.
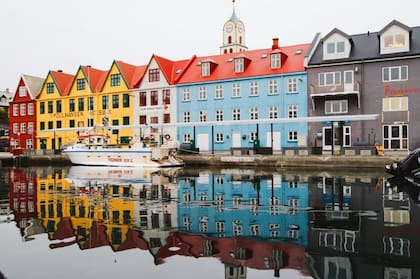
(120,158)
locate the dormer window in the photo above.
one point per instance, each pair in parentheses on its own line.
(205,69)
(335,47)
(22,91)
(275,60)
(239,65)
(394,38)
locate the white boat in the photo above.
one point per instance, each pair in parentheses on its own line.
(93,149)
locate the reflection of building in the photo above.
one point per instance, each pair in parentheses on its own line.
(354,221)
(23,201)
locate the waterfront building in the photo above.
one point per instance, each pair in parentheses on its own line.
(236,100)
(369,73)
(49,112)
(22,115)
(156,109)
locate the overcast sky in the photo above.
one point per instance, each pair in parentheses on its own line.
(43,35)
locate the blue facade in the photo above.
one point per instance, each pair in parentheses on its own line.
(267,207)
(221,134)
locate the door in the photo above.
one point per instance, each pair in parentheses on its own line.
(348,81)
(236,140)
(276,140)
(202,142)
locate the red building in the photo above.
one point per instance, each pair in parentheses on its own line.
(22,114)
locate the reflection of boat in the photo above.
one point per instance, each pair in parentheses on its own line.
(409,167)
(407,185)
(93,149)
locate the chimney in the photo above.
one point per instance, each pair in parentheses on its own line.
(60,71)
(275,43)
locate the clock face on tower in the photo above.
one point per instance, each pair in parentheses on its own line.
(229,28)
(240,28)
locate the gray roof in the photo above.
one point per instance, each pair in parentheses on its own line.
(33,84)
(367,47)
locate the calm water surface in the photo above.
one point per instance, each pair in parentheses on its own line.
(84,222)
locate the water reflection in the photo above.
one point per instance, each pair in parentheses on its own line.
(321,225)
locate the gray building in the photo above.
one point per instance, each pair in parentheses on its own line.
(372,73)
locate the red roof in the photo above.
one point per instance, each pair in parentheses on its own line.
(95,77)
(63,81)
(129,72)
(259,64)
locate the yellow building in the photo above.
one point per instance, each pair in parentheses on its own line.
(91,98)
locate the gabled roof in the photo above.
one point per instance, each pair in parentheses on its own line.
(33,85)
(62,80)
(138,75)
(95,77)
(336,31)
(366,47)
(259,64)
(127,71)
(392,23)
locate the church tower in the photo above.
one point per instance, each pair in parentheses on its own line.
(233,34)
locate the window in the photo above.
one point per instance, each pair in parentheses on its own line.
(50,125)
(273,112)
(253,88)
(186,96)
(395,104)
(81,84)
(218,92)
(187,138)
(154,98)
(166,97)
(236,114)
(219,115)
(126,120)
(105,102)
(336,106)
(50,88)
(335,47)
(126,100)
(72,123)
(293,136)
(15,110)
(394,41)
(203,116)
(42,125)
(205,69)
(219,137)
(166,118)
(115,80)
(81,104)
(292,111)
(58,106)
(187,117)
(275,60)
(239,65)
(72,105)
(395,136)
(292,86)
(115,101)
(41,107)
(396,73)
(272,87)
(143,98)
(202,91)
(253,136)
(236,90)
(30,127)
(23,128)
(30,109)
(253,113)
(22,91)
(58,124)
(50,107)
(330,79)
(15,128)
(142,119)
(22,109)
(154,75)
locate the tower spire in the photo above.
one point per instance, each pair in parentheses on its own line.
(233,17)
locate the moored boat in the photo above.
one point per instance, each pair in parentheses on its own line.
(93,149)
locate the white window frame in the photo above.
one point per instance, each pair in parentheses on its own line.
(15,109)
(292,111)
(292,136)
(23,109)
(218,91)
(236,114)
(186,95)
(30,127)
(395,103)
(203,116)
(22,91)
(336,106)
(236,90)
(239,65)
(202,93)
(219,115)
(15,128)
(273,112)
(205,69)
(23,127)
(275,60)
(187,117)
(253,88)
(292,85)
(273,88)
(329,79)
(220,137)
(30,108)
(253,113)
(389,72)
